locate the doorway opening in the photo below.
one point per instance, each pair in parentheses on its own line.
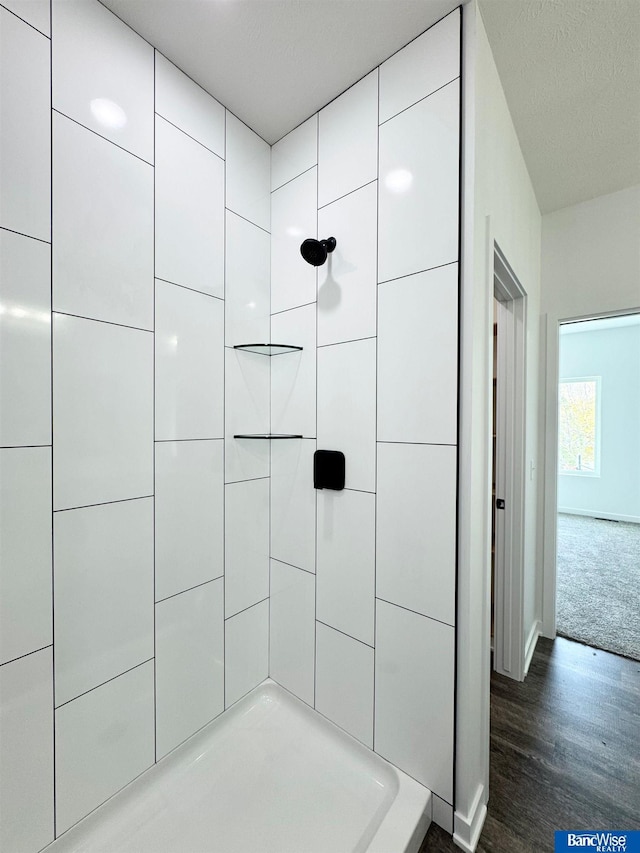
(507,545)
(598,483)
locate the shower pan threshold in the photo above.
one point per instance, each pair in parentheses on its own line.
(269,776)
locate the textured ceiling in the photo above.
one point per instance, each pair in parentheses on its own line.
(276,62)
(570,70)
(571,74)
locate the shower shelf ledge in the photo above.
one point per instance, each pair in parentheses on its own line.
(268,349)
(268,435)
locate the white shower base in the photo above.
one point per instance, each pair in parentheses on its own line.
(270,776)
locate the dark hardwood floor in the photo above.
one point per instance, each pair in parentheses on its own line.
(565,750)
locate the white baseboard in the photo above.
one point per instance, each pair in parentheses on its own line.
(592,513)
(468,827)
(532,641)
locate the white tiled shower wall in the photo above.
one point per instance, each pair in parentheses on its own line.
(124,625)
(363,580)
(137,598)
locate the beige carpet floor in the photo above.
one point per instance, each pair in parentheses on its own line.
(598,583)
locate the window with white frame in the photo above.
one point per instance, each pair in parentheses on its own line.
(579,426)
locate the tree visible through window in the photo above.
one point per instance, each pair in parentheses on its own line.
(578,426)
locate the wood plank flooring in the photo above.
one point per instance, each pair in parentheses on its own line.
(565,750)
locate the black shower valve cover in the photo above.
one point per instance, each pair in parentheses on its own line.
(328,469)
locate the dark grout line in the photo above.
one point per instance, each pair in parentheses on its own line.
(295,178)
(416,612)
(186,287)
(104,503)
(420,100)
(27,654)
(351,192)
(100,136)
(153,423)
(418,272)
(24,21)
(344,633)
(459,368)
(295,308)
(375,460)
(22,234)
(23,446)
(189,589)
(291,566)
(418,443)
(240,216)
(188,135)
(244,610)
(102,683)
(224,426)
(105,322)
(178,440)
(51,356)
(352,341)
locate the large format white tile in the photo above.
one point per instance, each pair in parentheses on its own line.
(189,514)
(442,813)
(248,160)
(34,12)
(189,344)
(103,74)
(189,212)
(293,503)
(104,739)
(246,651)
(414,711)
(293,375)
(246,564)
(344,683)
(25,551)
(246,413)
(25,118)
(416,528)
(294,153)
(103,593)
(418,186)
(102,412)
(102,229)
(294,216)
(418,358)
(25,341)
(292,630)
(347,408)
(247,297)
(26,753)
(427,63)
(347,281)
(188,106)
(348,141)
(189,663)
(347,562)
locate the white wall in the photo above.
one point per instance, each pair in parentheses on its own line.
(613,354)
(363,580)
(160,222)
(500,198)
(590,257)
(590,267)
(505,194)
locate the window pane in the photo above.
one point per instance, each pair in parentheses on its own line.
(577,421)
